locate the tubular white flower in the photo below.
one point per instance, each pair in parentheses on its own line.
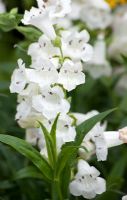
(124,197)
(75,45)
(40,19)
(112,138)
(86,182)
(98,66)
(44,16)
(51,102)
(71,75)
(18,80)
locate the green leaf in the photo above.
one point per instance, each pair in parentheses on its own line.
(9,21)
(49,145)
(53,131)
(30,33)
(70,150)
(29,152)
(28,172)
(6,185)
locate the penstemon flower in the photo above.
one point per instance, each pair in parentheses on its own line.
(2,7)
(87,182)
(43,104)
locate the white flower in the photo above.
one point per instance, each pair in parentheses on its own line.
(18,80)
(95,134)
(118,45)
(124,197)
(65,131)
(76,10)
(71,75)
(2,7)
(23,109)
(44,16)
(44,77)
(75,45)
(56,8)
(112,138)
(87,150)
(51,102)
(40,19)
(123,134)
(42,51)
(32,135)
(96,14)
(98,66)
(86,182)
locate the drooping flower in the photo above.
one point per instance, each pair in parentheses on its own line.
(87,182)
(71,75)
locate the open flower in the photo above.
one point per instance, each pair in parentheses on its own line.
(2,7)
(71,75)
(42,51)
(18,80)
(50,102)
(86,182)
(46,76)
(75,45)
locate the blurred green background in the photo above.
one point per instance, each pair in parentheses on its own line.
(95,94)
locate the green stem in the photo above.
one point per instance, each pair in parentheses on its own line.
(56,191)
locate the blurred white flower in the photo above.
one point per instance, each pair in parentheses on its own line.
(86,182)
(124,197)
(96,14)
(18,80)
(99,66)
(2,7)
(118,45)
(50,102)
(71,75)
(75,45)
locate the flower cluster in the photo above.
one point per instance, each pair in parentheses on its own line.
(57,61)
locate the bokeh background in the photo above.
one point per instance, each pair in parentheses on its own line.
(100,94)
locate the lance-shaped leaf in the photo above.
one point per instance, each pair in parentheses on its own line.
(70,150)
(29,152)
(28,172)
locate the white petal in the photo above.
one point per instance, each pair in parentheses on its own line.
(75,188)
(112,138)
